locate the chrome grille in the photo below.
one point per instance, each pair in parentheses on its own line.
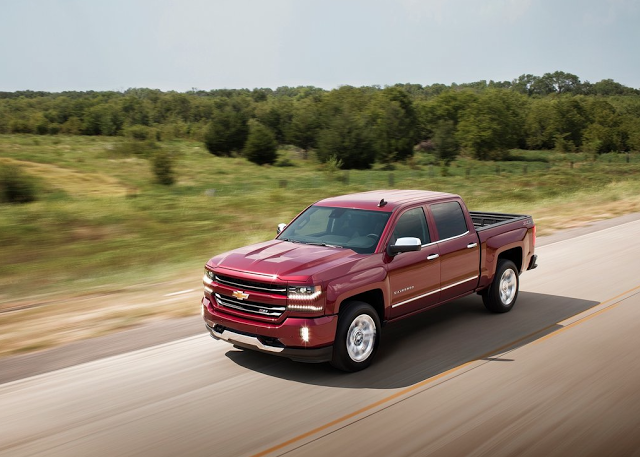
(259,309)
(255,286)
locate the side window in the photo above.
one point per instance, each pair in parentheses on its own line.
(449,219)
(412,223)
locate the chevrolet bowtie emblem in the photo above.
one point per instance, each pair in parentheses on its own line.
(240,295)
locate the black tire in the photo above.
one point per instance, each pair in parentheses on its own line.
(507,279)
(355,347)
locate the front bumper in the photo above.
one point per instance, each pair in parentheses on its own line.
(317,355)
(282,339)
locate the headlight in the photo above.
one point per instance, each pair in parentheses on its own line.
(207,279)
(304,293)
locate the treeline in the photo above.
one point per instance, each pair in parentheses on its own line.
(352,126)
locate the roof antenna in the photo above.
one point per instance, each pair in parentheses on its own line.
(382,203)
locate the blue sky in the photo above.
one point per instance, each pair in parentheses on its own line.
(56,45)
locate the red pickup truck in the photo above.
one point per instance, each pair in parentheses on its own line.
(321,290)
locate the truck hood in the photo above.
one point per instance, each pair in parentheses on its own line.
(284,259)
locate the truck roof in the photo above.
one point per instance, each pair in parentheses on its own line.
(394,198)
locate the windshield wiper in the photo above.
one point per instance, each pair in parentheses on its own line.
(289,240)
(317,243)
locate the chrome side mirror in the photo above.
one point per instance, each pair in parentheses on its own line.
(281,227)
(406,244)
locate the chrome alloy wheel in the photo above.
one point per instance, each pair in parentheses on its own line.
(508,286)
(361,338)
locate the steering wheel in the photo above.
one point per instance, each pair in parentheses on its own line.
(373,235)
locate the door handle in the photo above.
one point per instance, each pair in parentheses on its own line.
(471,245)
(433,256)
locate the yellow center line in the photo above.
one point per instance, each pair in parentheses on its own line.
(432,379)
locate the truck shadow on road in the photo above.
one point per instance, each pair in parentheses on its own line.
(433,342)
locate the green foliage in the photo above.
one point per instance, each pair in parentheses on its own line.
(102,120)
(552,111)
(15,185)
(227,132)
(348,140)
(394,125)
(305,123)
(491,125)
(261,146)
(162,164)
(445,142)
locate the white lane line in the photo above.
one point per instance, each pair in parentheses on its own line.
(180,292)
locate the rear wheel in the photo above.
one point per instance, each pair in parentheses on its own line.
(503,291)
(357,337)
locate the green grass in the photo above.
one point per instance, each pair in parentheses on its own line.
(101,219)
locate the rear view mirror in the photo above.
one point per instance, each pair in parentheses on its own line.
(281,227)
(406,244)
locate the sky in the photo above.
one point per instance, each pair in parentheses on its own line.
(56,45)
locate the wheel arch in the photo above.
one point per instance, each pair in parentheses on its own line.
(373,297)
(515,255)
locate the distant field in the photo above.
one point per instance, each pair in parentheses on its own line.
(101,221)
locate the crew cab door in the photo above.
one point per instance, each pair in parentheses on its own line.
(414,277)
(458,248)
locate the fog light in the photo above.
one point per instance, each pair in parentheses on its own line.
(304,334)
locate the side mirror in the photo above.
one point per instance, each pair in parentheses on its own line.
(281,227)
(406,244)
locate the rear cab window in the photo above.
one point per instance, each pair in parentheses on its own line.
(449,219)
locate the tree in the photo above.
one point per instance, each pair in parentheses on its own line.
(449,105)
(394,124)
(445,142)
(540,129)
(261,146)
(227,132)
(606,132)
(305,124)
(347,139)
(276,114)
(492,124)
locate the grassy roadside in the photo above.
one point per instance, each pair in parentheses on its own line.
(104,245)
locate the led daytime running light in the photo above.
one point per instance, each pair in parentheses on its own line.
(305,308)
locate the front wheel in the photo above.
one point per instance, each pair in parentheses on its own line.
(357,337)
(503,291)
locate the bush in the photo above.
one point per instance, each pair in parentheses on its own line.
(16,186)
(261,146)
(162,163)
(227,132)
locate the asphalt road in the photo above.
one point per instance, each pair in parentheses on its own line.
(559,375)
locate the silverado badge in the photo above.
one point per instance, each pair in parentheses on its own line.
(240,295)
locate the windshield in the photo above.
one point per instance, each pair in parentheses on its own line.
(355,229)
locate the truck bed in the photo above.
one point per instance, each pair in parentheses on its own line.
(483,221)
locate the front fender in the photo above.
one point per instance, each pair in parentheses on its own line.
(353,284)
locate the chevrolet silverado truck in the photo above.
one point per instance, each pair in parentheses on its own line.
(321,290)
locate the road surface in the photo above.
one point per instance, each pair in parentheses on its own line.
(559,375)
